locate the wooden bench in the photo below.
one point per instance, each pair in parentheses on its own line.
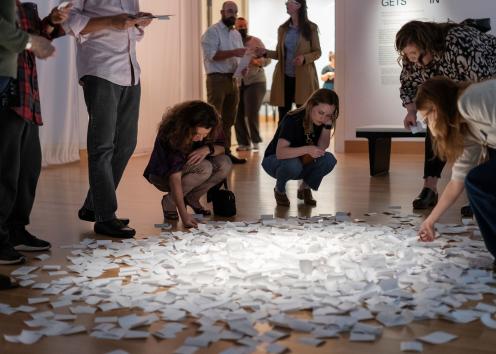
(379,137)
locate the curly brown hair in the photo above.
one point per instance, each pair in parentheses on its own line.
(448,126)
(179,123)
(427,36)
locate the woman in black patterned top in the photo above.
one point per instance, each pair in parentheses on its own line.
(429,49)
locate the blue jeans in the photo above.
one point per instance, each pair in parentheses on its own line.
(112,136)
(293,169)
(481,192)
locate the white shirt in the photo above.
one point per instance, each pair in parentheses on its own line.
(220,37)
(109,54)
(478,106)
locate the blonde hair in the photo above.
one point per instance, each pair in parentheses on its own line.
(448,127)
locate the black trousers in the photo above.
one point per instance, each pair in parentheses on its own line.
(20,166)
(112,134)
(433,165)
(247,120)
(289,96)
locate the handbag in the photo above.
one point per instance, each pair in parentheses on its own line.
(223,200)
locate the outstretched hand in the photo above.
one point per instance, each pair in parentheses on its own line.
(426,232)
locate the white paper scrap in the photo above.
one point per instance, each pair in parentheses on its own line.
(185,350)
(276,348)
(26,337)
(361,337)
(413,346)
(487,320)
(438,337)
(23,270)
(314,342)
(42,257)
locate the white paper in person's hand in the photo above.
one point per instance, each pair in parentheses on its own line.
(419,128)
(244,63)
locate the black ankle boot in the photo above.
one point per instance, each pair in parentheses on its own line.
(426,199)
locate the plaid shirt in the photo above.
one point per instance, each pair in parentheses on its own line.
(27,77)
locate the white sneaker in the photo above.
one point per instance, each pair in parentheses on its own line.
(243,148)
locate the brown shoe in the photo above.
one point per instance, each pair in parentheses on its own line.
(306,196)
(281,198)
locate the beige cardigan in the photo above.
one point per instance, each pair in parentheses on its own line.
(306,75)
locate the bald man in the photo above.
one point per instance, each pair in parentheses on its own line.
(222,47)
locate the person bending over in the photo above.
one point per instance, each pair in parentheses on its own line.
(188,159)
(462,120)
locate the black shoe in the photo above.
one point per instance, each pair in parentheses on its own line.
(89,215)
(8,255)
(427,198)
(466,211)
(281,198)
(306,196)
(114,228)
(7,283)
(22,240)
(236,160)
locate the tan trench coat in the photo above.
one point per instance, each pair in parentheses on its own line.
(306,75)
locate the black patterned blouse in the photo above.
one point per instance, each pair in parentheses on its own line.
(470,55)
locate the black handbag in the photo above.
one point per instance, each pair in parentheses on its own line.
(223,200)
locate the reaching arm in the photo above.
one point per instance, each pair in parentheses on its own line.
(178,196)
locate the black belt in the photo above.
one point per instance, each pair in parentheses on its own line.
(221,74)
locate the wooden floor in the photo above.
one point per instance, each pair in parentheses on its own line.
(348,188)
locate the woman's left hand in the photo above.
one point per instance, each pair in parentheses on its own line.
(198,155)
(426,232)
(299,60)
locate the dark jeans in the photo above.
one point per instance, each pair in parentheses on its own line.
(433,165)
(223,94)
(481,192)
(20,166)
(293,169)
(289,96)
(112,135)
(250,101)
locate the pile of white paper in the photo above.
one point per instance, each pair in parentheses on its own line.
(231,276)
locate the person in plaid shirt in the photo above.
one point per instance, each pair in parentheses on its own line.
(20,151)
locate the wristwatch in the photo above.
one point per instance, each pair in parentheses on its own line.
(29,44)
(328,126)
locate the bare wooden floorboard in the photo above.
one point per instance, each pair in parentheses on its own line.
(348,188)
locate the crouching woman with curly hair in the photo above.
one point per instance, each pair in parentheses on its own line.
(188,159)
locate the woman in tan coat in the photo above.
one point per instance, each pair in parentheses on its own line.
(295,76)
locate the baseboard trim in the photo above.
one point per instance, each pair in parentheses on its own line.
(397,147)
